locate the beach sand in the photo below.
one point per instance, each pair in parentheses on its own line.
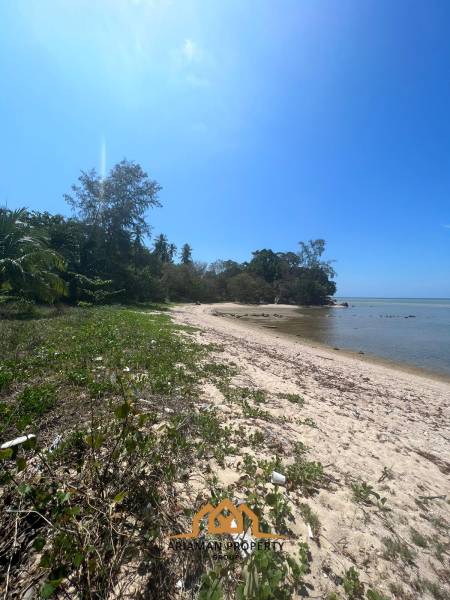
(360,419)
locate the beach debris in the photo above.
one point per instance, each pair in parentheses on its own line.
(98,358)
(270,326)
(310,532)
(17,441)
(244,540)
(278,478)
(56,443)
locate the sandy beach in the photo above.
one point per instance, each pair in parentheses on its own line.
(365,422)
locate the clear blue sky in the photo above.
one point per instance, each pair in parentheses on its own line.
(266,123)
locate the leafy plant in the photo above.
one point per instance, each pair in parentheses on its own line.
(364,493)
(352,585)
(273,575)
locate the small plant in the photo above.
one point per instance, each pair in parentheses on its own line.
(256,439)
(294,398)
(280,511)
(251,412)
(387,473)
(374,595)
(309,422)
(395,549)
(364,493)
(210,587)
(306,475)
(417,538)
(309,516)
(270,575)
(352,585)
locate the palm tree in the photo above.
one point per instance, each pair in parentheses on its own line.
(27,265)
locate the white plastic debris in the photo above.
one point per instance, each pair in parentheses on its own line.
(244,540)
(17,441)
(56,443)
(126,370)
(310,533)
(98,358)
(278,478)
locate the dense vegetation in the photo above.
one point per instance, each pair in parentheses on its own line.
(101,254)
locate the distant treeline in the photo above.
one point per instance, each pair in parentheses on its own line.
(100,255)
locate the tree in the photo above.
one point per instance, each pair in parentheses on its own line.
(163,250)
(266,264)
(28,267)
(186,254)
(310,257)
(112,211)
(250,289)
(117,203)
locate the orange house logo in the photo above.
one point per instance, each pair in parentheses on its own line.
(226,518)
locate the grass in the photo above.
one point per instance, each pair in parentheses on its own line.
(396,549)
(104,377)
(293,398)
(417,538)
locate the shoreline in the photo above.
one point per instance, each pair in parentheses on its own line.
(292,311)
(372,427)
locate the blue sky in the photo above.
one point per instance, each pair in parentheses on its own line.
(266,123)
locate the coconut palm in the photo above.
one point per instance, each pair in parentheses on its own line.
(27,266)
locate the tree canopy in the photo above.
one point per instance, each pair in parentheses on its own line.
(105,253)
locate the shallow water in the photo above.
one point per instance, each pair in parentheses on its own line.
(407,330)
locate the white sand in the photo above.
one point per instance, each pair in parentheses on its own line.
(368,416)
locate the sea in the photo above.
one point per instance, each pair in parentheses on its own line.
(412,331)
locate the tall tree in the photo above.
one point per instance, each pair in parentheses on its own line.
(310,256)
(118,202)
(186,255)
(164,251)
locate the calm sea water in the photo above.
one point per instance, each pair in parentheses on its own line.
(408,330)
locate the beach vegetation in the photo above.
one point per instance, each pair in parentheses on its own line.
(397,549)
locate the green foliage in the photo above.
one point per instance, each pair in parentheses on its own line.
(293,398)
(106,494)
(374,595)
(304,474)
(28,267)
(397,549)
(352,585)
(273,575)
(211,587)
(309,516)
(29,406)
(100,256)
(364,493)
(417,538)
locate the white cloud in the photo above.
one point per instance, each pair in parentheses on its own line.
(447,226)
